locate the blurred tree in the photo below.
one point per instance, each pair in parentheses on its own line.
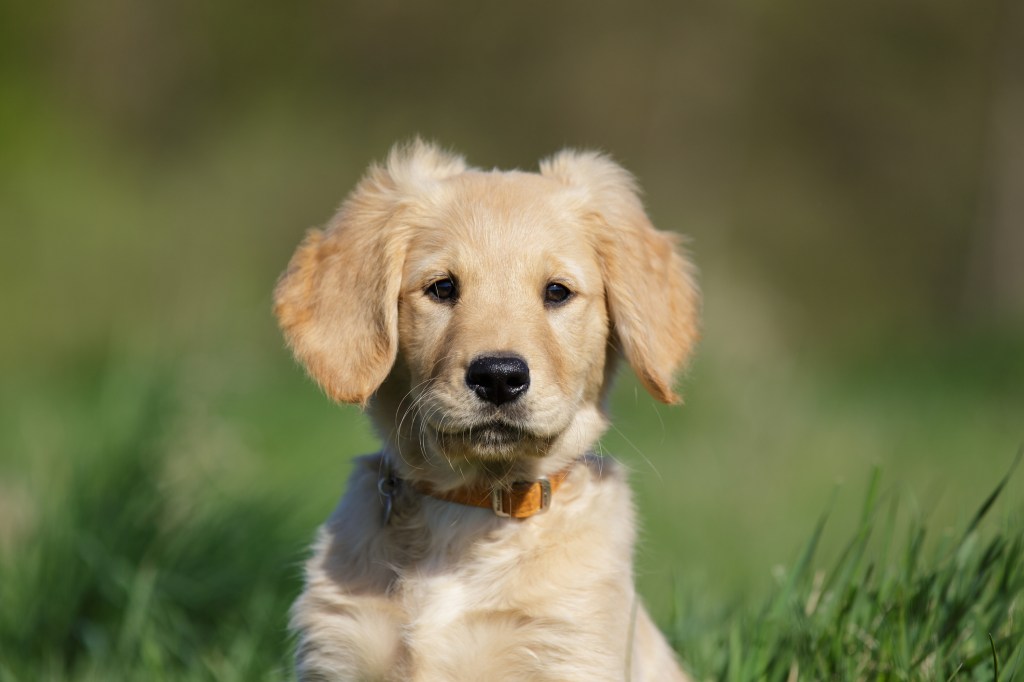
(996,288)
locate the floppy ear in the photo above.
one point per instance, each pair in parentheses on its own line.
(653,301)
(337,303)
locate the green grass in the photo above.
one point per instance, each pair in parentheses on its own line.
(130,572)
(152,540)
(897,613)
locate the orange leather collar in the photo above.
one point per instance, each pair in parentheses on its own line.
(521,500)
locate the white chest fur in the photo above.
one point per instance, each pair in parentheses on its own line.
(447,592)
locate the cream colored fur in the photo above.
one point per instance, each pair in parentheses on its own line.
(441,591)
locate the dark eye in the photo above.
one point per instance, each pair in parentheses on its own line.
(556,293)
(442,290)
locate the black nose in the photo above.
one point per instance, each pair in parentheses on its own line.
(498,380)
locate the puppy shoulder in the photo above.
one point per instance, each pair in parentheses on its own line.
(605,472)
(362,485)
(349,554)
(599,491)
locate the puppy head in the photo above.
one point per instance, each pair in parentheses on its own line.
(479,306)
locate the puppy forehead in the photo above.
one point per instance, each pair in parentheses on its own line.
(491,217)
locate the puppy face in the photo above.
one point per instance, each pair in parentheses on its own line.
(478,308)
(502,317)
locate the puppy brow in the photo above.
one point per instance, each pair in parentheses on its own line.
(565,274)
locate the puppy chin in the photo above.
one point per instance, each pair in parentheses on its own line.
(489,442)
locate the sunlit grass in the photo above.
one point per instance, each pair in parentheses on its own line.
(129,570)
(893,610)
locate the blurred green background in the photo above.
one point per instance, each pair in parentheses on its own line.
(850,176)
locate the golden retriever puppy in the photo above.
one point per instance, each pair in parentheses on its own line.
(479,316)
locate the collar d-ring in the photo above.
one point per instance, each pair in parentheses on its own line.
(387,485)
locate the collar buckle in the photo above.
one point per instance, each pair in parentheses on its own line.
(499,495)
